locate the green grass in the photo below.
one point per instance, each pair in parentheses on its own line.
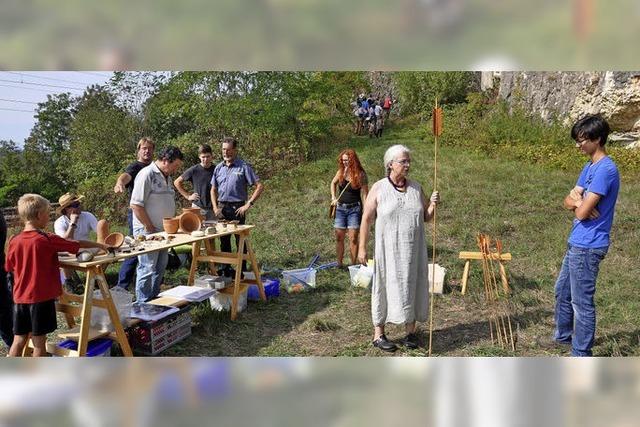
(515,201)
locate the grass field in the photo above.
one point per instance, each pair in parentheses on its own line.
(516,202)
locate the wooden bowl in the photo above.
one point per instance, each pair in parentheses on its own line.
(102,231)
(115,240)
(171,225)
(189,222)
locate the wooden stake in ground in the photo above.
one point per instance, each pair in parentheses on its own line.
(437,131)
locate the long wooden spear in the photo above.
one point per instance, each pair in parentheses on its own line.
(437,131)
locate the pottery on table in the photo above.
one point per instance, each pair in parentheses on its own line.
(196,211)
(189,222)
(115,240)
(171,224)
(102,231)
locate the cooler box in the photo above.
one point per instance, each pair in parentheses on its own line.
(271,289)
(100,347)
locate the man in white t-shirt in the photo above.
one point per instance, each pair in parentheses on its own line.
(152,199)
(73,224)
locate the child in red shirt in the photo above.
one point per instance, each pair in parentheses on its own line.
(32,257)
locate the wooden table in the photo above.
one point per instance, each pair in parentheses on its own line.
(95,276)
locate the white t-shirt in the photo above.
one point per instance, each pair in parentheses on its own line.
(154,192)
(86,222)
(378,110)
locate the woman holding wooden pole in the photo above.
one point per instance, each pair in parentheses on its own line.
(400,292)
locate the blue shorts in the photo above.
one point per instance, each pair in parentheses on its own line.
(348,216)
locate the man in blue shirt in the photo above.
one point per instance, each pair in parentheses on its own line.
(229,196)
(592,201)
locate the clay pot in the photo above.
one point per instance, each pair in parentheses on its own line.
(114,240)
(196,211)
(189,222)
(102,230)
(171,224)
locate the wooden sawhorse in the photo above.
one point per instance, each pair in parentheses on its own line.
(468,256)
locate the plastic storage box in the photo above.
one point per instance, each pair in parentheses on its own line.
(300,279)
(100,347)
(271,289)
(150,338)
(222,299)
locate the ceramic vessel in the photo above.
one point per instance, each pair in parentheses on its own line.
(115,240)
(171,225)
(189,222)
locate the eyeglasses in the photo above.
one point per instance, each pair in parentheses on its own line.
(403,162)
(74,205)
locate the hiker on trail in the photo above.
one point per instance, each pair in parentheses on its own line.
(593,201)
(349,189)
(361,114)
(229,197)
(200,177)
(145,150)
(386,106)
(152,199)
(6,300)
(400,292)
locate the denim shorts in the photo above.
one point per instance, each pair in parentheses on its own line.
(348,217)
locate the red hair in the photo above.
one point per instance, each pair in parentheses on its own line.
(355,171)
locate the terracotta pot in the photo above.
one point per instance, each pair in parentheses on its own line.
(189,222)
(196,211)
(170,224)
(114,240)
(102,230)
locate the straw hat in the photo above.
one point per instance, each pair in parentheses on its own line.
(67,199)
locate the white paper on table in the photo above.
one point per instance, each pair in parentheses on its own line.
(190,293)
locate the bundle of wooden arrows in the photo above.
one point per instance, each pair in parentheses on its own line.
(497,298)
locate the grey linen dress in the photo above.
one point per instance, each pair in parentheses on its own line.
(400,290)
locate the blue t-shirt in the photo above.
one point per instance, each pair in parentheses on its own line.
(601,178)
(231,181)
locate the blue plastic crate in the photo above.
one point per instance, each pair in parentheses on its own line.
(97,347)
(271,289)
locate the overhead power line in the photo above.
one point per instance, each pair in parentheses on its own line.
(29,88)
(18,102)
(40,84)
(17,110)
(33,76)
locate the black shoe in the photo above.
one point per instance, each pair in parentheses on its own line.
(384,344)
(410,341)
(547,343)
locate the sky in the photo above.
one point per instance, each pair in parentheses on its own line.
(21,91)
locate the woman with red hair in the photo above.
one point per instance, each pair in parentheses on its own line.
(350,184)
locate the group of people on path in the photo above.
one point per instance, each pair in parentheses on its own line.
(396,203)
(371,114)
(399,208)
(28,308)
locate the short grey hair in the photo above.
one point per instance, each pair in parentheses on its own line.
(393,152)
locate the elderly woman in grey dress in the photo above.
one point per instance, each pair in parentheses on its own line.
(400,290)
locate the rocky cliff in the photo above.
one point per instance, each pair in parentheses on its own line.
(566,96)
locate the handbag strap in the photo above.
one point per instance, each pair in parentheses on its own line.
(343,190)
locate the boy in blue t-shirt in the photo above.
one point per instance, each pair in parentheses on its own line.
(592,201)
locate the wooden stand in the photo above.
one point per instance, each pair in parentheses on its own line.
(234,259)
(468,256)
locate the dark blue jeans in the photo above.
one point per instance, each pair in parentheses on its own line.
(128,267)
(575,306)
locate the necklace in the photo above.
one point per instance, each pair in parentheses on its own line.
(400,188)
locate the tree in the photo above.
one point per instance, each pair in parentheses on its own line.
(46,147)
